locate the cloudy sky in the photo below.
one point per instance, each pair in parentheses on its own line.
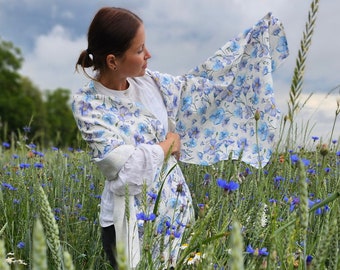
(180,34)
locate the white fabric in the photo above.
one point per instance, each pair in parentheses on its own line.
(131,166)
(143,90)
(114,161)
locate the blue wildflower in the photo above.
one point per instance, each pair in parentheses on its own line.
(24,165)
(315,138)
(227,186)
(294,158)
(79,205)
(257,252)
(145,217)
(21,245)
(6,145)
(32,145)
(27,129)
(38,165)
(8,186)
(16,201)
(309,260)
(152,195)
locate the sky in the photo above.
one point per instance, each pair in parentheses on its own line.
(181,34)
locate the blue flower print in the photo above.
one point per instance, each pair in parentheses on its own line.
(208,133)
(256,85)
(242,143)
(139,139)
(263,131)
(271,108)
(254,53)
(268,89)
(109,119)
(255,99)
(217,65)
(211,147)
(194,132)
(85,108)
(187,101)
(282,45)
(192,143)
(238,112)
(202,110)
(217,116)
(125,129)
(223,135)
(98,133)
(143,128)
(234,46)
(240,79)
(124,114)
(172,203)
(180,127)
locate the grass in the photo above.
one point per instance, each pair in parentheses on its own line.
(284,216)
(276,216)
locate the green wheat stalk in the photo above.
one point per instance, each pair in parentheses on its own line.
(323,244)
(237,248)
(303,205)
(50,227)
(68,264)
(39,255)
(3,264)
(294,103)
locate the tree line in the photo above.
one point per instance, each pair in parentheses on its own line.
(27,113)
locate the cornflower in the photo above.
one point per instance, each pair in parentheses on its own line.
(24,165)
(294,158)
(145,217)
(38,165)
(315,138)
(27,129)
(21,245)
(8,186)
(257,252)
(227,186)
(6,145)
(152,195)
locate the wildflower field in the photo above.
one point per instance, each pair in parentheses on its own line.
(283,216)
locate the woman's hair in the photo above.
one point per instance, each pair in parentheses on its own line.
(111,32)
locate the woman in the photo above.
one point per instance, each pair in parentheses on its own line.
(138,123)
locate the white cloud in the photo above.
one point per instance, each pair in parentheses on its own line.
(51,65)
(181,34)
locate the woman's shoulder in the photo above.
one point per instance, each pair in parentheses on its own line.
(87,89)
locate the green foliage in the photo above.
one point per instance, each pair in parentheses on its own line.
(61,127)
(63,189)
(22,105)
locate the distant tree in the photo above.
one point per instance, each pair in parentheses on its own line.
(21,103)
(62,129)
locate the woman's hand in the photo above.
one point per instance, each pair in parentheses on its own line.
(171,145)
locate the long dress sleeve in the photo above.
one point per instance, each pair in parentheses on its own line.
(141,168)
(213,106)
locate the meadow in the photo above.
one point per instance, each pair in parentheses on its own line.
(283,216)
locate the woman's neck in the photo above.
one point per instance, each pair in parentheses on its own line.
(114,83)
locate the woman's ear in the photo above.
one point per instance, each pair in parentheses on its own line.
(111,62)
